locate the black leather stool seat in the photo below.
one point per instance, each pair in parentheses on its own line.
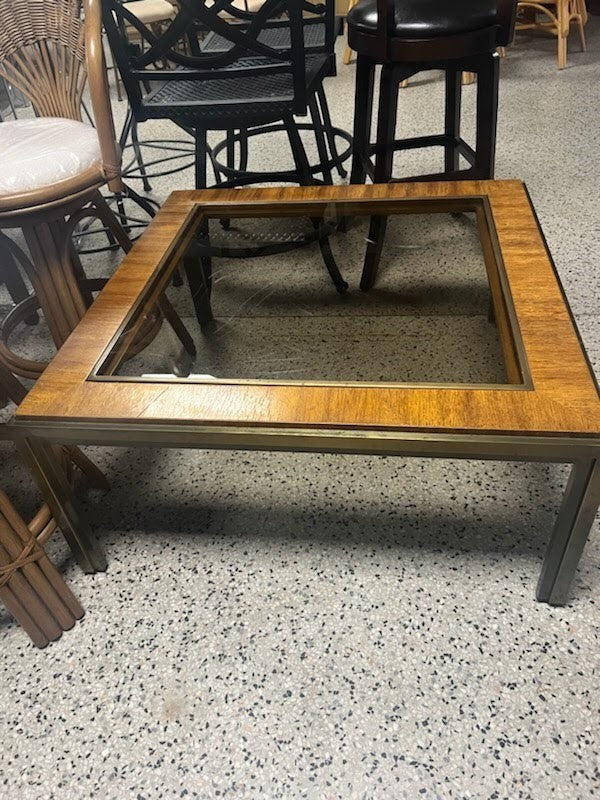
(424,19)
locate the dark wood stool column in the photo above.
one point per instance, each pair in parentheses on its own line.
(410,36)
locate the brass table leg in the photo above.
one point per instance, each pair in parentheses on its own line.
(55,487)
(575,518)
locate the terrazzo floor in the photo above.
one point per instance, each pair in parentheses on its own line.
(335,628)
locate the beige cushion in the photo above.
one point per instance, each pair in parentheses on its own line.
(43,151)
(149,11)
(248,5)
(243,5)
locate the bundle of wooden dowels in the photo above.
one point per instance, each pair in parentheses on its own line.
(30,586)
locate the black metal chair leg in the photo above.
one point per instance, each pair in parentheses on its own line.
(305,179)
(176,323)
(199,289)
(329,132)
(230,149)
(149,206)
(200,159)
(177,279)
(123,136)
(200,280)
(365,78)
(320,139)
(199,270)
(375,239)
(138,156)
(121,214)
(384,158)
(298,152)
(329,260)
(452,117)
(487,116)
(243,150)
(230,162)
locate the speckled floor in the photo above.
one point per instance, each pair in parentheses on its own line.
(308,626)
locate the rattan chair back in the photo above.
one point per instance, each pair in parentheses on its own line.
(48,53)
(42,53)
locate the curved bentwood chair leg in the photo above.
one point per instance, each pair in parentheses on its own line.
(15,285)
(305,179)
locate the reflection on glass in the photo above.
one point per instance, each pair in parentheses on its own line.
(278,316)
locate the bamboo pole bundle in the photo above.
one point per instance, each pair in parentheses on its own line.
(30,586)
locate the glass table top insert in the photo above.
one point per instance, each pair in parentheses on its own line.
(278,317)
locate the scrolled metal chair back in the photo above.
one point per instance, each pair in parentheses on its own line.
(175,53)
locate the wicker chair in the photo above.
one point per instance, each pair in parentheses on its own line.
(54,164)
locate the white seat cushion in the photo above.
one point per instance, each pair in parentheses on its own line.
(244,5)
(40,152)
(149,11)
(248,5)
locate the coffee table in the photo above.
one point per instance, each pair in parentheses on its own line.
(542,405)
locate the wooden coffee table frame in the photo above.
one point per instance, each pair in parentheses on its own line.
(549,409)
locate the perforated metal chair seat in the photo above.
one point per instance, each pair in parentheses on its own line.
(278,38)
(245,100)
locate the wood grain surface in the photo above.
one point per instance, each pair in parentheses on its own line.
(562,400)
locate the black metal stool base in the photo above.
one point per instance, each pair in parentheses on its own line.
(235,176)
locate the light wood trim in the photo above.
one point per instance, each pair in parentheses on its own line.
(560,14)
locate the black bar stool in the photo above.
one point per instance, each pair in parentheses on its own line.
(411,36)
